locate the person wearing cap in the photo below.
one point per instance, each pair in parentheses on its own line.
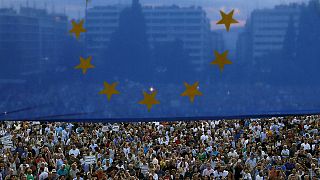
(53,175)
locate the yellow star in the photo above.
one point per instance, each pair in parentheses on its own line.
(85,64)
(149,99)
(192,91)
(221,59)
(77,28)
(227,19)
(109,89)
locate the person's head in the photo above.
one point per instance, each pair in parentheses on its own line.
(251,156)
(208,166)
(74,166)
(13,177)
(167,173)
(99,164)
(24,177)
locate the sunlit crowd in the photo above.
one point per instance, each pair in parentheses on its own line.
(252,149)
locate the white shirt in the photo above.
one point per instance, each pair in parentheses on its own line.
(285,152)
(155,161)
(306,126)
(204,137)
(126,151)
(247,176)
(207,172)
(160,140)
(93,146)
(233,154)
(47,130)
(306,146)
(65,134)
(259,177)
(43,176)
(75,152)
(218,174)
(155,176)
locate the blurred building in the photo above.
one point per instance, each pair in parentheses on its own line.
(53,30)
(19,40)
(266,30)
(217,42)
(33,38)
(165,23)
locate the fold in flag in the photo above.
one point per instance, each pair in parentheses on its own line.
(136,62)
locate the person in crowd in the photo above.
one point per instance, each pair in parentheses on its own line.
(260,149)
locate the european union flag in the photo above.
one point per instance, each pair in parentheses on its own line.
(152,60)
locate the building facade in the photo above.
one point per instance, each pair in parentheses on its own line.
(19,40)
(52,34)
(31,38)
(165,23)
(269,28)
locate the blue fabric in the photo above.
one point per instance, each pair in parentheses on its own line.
(265,72)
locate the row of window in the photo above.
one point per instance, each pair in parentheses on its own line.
(272,28)
(268,43)
(272,19)
(18,28)
(18,20)
(112,14)
(176,28)
(176,21)
(95,20)
(269,36)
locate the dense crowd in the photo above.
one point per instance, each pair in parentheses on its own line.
(257,149)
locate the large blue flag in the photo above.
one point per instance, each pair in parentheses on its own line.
(167,60)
